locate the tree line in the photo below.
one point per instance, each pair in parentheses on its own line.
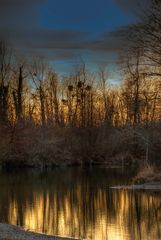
(34,93)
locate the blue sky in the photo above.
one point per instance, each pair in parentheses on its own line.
(95,16)
(65,31)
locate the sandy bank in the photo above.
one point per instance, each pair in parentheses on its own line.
(10,232)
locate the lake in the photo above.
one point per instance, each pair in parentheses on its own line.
(78,202)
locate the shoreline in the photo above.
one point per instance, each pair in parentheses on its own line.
(12,232)
(111,163)
(149,186)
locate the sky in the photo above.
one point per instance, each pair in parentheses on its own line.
(68,31)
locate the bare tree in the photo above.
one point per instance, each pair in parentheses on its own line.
(5,63)
(38,72)
(53,97)
(133,79)
(18,92)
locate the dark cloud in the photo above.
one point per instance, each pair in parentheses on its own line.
(18,18)
(66,39)
(16,14)
(20,26)
(133,6)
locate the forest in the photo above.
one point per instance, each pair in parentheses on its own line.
(47,120)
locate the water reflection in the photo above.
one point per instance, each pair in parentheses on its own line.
(78,203)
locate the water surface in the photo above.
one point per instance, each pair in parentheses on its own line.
(77,202)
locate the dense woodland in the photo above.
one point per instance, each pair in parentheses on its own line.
(81,119)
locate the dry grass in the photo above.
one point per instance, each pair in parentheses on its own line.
(148,173)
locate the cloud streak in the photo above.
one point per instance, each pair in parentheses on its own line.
(133,6)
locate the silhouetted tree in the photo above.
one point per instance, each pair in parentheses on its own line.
(5,62)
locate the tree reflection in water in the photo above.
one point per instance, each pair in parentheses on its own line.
(77,202)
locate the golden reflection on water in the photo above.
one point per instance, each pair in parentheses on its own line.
(78,203)
(107,214)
